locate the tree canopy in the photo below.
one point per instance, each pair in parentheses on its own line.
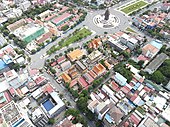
(157,77)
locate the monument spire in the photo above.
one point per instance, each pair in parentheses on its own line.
(107,13)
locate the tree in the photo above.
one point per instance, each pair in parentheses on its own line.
(29,59)
(84,56)
(123,71)
(165,71)
(126,54)
(140,63)
(166,62)
(52,70)
(157,77)
(138,51)
(85,92)
(73,112)
(5,32)
(94,1)
(60,54)
(90,88)
(101,6)
(65,27)
(90,115)
(165,68)
(11,36)
(99,123)
(51,121)
(16,66)
(82,103)
(163,49)
(105,32)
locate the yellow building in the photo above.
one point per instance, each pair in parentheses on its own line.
(75,55)
(66,77)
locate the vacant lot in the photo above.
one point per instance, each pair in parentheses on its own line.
(133,7)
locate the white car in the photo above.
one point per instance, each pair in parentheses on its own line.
(58,81)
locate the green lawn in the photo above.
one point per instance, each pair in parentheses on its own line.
(133,7)
(130,30)
(77,36)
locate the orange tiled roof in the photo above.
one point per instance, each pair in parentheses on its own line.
(99,69)
(66,77)
(150,48)
(107,64)
(92,74)
(76,54)
(95,43)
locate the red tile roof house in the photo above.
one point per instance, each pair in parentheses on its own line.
(40,80)
(47,88)
(33,72)
(64,9)
(32,86)
(89,78)
(44,38)
(60,27)
(73,82)
(53,64)
(61,59)
(125,89)
(12,91)
(50,17)
(115,86)
(135,119)
(5,96)
(9,50)
(83,83)
(61,19)
(91,72)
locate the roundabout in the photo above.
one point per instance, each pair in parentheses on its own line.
(106,21)
(109,20)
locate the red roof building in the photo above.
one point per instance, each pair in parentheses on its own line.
(135,119)
(73,83)
(134,97)
(82,82)
(125,89)
(61,59)
(62,18)
(115,86)
(33,72)
(53,64)
(92,74)
(39,80)
(88,78)
(64,8)
(44,37)
(48,88)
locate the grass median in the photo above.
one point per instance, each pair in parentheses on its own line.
(133,7)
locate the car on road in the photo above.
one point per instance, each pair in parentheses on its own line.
(59,81)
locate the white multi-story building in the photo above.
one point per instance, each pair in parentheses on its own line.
(13,116)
